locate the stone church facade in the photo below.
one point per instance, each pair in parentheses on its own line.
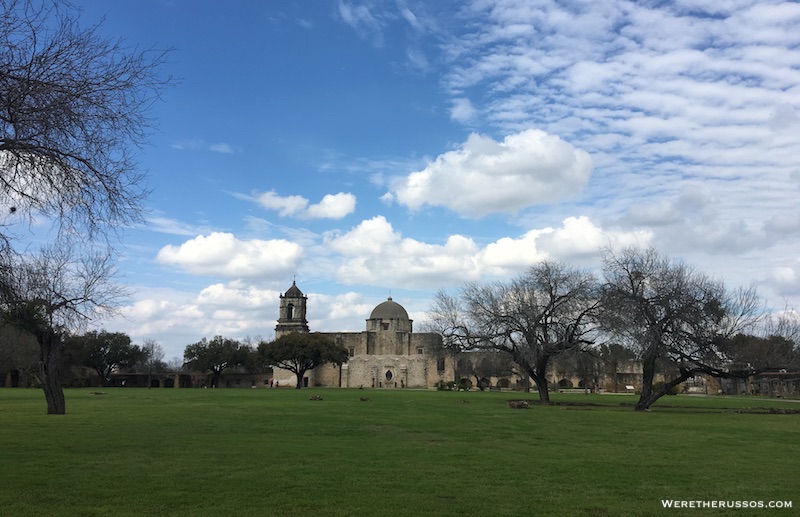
(388,354)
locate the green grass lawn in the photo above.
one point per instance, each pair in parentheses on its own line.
(275,452)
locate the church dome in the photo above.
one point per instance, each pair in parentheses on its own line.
(389,310)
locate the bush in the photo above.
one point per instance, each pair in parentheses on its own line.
(445,386)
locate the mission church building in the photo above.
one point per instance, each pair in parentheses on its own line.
(385,355)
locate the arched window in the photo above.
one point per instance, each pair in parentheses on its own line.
(290,311)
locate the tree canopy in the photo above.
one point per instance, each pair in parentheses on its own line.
(539,315)
(665,310)
(215,356)
(50,294)
(299,352)
(671,318)
(106,352)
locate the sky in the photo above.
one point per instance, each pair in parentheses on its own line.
(369,149)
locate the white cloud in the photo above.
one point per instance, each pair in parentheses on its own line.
(417,59)
(161,224)
(284,205)
(332,206)
(784,117)
(202,145)
(462,110)
(177,319)
(484,176)
(345,312)
(222,147)
(577,241)
(362,19)
(224,255)
(374,253)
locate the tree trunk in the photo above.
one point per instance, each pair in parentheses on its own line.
(50,369)
(663,390)
(648,374)
(540,378)
(541,387)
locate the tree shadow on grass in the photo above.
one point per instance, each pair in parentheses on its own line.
(588,406)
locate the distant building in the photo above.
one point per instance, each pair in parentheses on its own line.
(388,354)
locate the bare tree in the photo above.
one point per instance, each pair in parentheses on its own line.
(51,294)
(665,310)
(175,365)
(152,358)
(539,315)
(785,323)
(73,111)
(73,108)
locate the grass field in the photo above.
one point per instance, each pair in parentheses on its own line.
(275,452)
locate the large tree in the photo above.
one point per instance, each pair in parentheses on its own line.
(215,355)
(299,352)
(73,113)
(52,293)
(535,317)
(667,311)
(106,352)
(73,109)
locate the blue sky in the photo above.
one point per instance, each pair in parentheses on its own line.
(370,148)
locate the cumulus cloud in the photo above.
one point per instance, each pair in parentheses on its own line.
(485,176)
(284,205)
(180,318)
(578,240)
(223,254)
(332,206)
(375,253)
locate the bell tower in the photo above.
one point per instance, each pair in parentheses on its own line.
(292,316)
